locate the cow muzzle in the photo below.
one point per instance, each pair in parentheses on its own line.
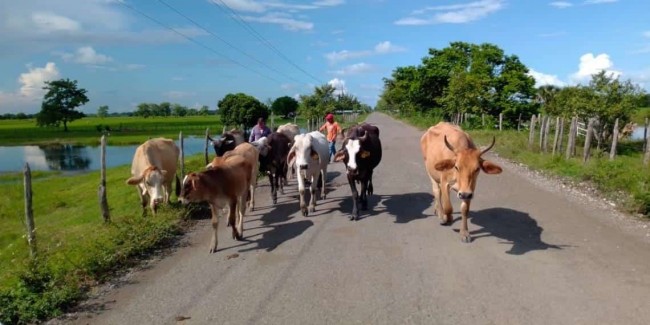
(303,167)
(353,171)
(465,195)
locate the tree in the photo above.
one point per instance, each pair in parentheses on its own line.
(284,106)
(179,110)
(144,110)
(102,111)
(59,103)
(318,103)
(203,111)
(240,108)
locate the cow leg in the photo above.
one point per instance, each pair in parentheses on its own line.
(251,199)
(232,218)
(215,225)
(364,196)
(241,211)
(355,198)
(323,196)
(301,193)
(464,211)
(274,188)
(370,188)
(445,202)
(312,191)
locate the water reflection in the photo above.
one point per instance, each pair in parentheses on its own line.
(65,157)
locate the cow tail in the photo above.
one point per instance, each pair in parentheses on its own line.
(178,186)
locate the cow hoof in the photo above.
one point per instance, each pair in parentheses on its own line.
(466,239)
(213,250)
(445,223)
(238,237)
(312,209)
(275,201)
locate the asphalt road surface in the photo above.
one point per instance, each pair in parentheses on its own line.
(539,255)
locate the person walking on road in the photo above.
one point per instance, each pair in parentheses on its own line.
(333,129)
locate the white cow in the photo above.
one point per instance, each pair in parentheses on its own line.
(311,156)
(290,130)
(152,171)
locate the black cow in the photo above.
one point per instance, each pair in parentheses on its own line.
(228,141)
(361,153)
(273,161)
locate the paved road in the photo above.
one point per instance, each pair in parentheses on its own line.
(538,257)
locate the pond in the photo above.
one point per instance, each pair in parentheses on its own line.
(637,134)
(75,158)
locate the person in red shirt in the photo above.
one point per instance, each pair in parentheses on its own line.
(333,129)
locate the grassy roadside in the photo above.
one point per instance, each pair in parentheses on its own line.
(624,180)
(76,250)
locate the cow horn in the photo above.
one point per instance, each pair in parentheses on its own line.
(490,147)
(364,136)
(449,145)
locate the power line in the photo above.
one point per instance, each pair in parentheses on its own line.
(195,41)
(261,38)
(225,41)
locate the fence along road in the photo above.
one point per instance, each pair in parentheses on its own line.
(538,257)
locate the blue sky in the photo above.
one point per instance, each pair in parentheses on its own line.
(272,48)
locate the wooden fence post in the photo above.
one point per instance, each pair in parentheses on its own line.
(224,130)
(561,137)
(547,129)
(182,156)
(103,201)
(483,120)
(588,136)
(542,127)
(645,135)
(531,136)
(612,151)
(571,143)
(500,121)
(205,149)
(519,123)
(557,135)
(646,156)
(29,212)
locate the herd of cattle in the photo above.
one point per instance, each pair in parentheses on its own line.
(228,182)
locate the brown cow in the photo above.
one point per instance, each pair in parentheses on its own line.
(452,160)
(153,169)
(251,154)
(226,184)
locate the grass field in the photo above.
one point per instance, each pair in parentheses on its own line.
(75,248)
(123,130)
(624,179)
(640,115)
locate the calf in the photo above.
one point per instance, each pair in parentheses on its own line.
(452,160)
(311,156)
(361,153)
(226,184)
(273,161)
(228,141)
(152,171)
(251,154)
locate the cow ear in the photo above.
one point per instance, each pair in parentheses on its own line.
(134,180)
(444,165)
(164,172)
(489,167)
(314,155)
(339,156)
(292,155)
(365,154)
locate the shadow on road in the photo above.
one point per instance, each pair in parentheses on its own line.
(278,234)
(515,227)
(408,206)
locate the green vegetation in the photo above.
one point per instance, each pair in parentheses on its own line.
(284,106)
(238,109)
(640,115)
(120,130)
(60,103)
(324,100)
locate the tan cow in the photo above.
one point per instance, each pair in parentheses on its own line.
(452,160)
(251,154)
(153,169)
(226,184)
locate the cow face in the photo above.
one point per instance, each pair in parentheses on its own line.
(351,153)
(466,167)
(223,145)
(302,152)
(190,190)
(150,183)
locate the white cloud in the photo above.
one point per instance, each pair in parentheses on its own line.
(590,65)
(262,6)
(31,88)
(85,55)
(452,14)
(283,20)
(561,4)
(595,2)
(357,68)
(51,22)
(339,85)
(242,5)
(381,48)
(329,3)
(542,79)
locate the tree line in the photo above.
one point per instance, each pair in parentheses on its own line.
(168,109)
(482,80)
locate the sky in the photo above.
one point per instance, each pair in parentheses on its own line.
(194,52)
